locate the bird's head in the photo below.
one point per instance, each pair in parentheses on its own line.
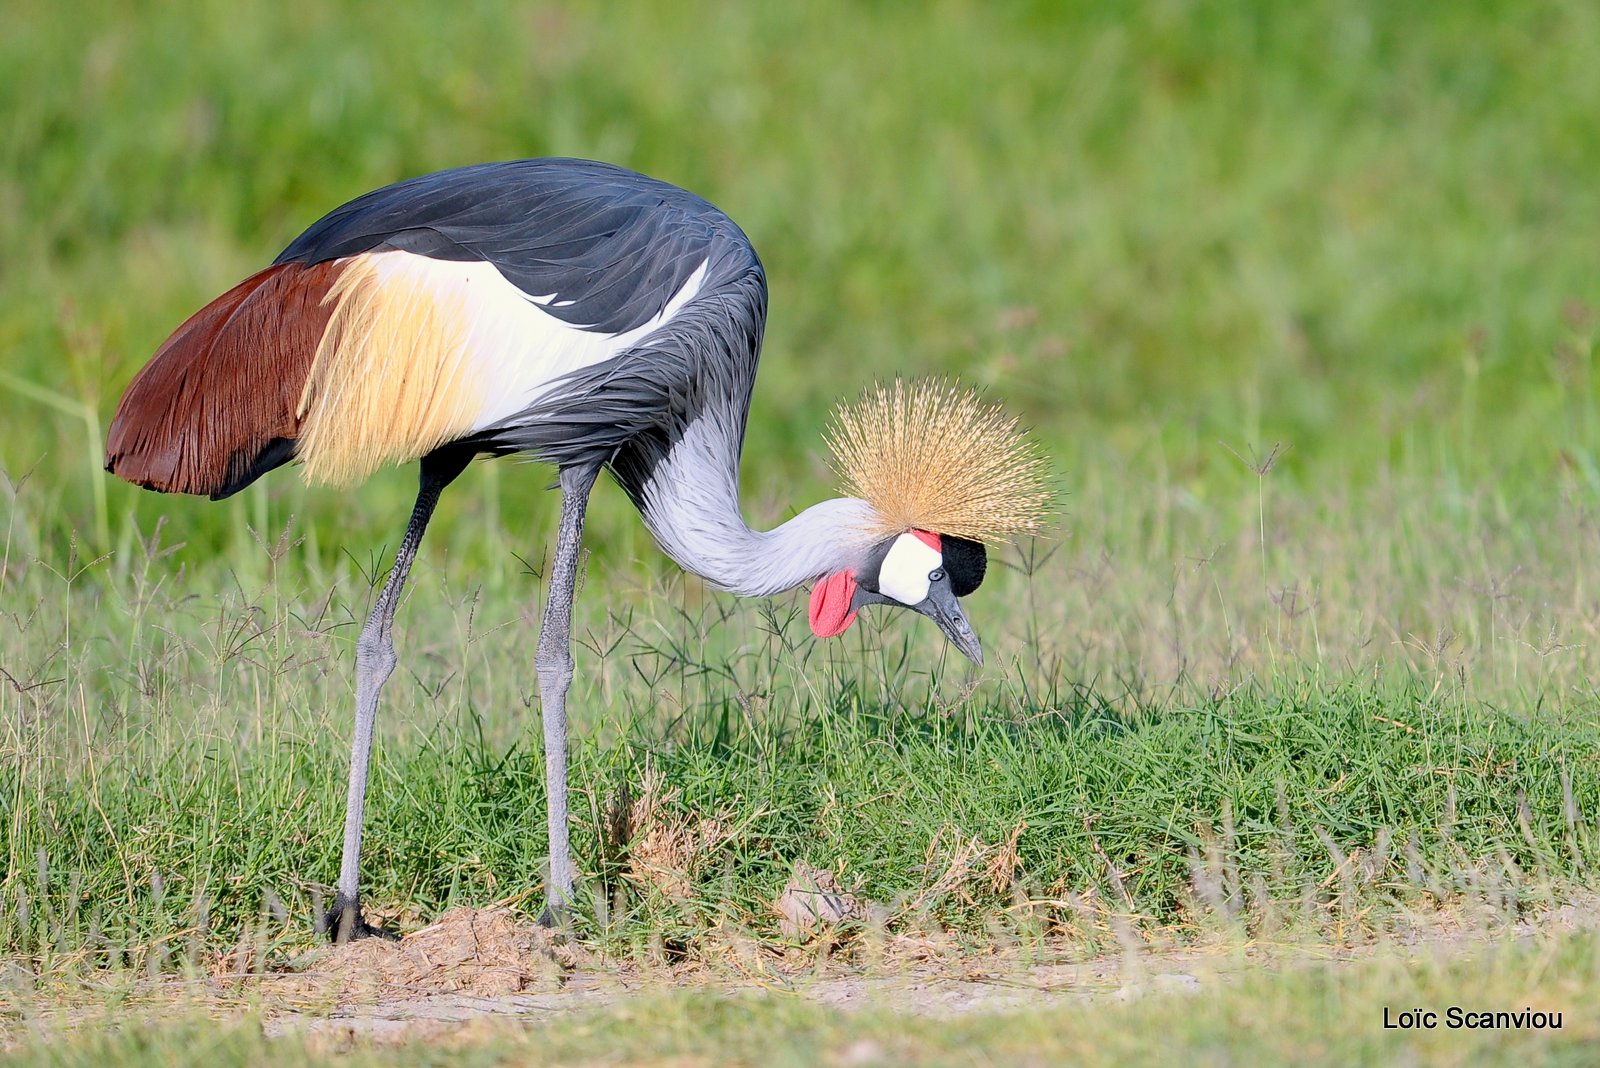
(919,570)
(928,457)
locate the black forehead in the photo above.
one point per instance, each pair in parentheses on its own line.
(964,561)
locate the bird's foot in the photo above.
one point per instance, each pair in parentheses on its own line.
(557,917)
(344,923)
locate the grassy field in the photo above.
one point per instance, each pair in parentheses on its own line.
(1299,299)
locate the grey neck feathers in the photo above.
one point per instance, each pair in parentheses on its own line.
(691,505)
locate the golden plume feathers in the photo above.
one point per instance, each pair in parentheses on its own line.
(392,379)
(933,456)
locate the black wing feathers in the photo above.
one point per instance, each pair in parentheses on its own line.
(608,247)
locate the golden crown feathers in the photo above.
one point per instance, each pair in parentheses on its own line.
(930,455)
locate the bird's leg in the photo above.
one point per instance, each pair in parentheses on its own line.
(375,659)
(554,661)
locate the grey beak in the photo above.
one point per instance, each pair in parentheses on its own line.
(940,606)
(943,608)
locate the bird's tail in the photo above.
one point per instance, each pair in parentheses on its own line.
(218,406)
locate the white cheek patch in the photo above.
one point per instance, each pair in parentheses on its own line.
(905,570)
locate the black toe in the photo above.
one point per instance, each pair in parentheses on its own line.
(344,923)
(556,917)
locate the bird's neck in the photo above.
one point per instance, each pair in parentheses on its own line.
(691,505)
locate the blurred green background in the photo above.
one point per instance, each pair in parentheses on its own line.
(1160,231)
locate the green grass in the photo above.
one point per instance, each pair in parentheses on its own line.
(1321,693)
(197,795)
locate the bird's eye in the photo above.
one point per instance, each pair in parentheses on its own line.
(936,574)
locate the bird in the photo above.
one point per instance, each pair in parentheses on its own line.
(588,317)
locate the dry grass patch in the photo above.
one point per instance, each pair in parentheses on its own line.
(665,847)
(482,952)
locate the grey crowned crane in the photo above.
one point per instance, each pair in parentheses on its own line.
(588,317)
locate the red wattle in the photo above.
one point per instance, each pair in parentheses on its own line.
(830,605)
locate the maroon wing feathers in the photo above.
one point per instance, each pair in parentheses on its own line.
(215,408)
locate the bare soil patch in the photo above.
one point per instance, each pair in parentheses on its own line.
(480,967)
(476,965)
(480,953)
